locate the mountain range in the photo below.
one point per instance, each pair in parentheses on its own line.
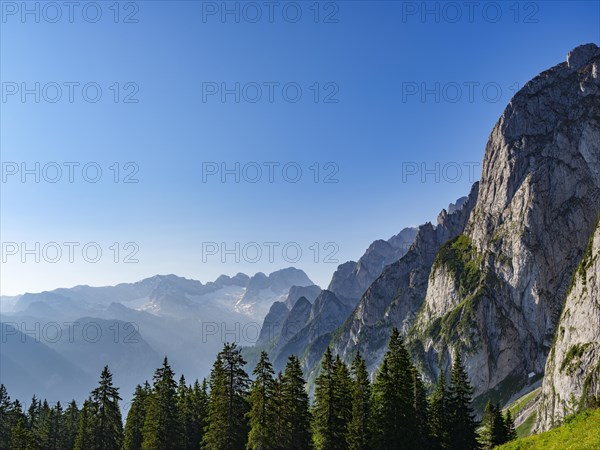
(130,327)
(508,276)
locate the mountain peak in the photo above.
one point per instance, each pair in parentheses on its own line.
(581,55)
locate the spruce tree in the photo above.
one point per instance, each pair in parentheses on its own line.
(438,415)
(325,434)
(21,437)
(5,425)
(33,418)
(509,426)
(280,422)
(227,427)
(107,423)
(160,429)
(199,405)
(421,408)
(185,416)
(135,418)
(343,400)
(49,428)
(392,399)
(260,416)
(463,434)
(85,430)
(294,407)
(358,430)
(69,425)
(488,433)
(43,430)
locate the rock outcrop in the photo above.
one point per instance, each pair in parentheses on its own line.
(395,296)
(572,378)
(351,279)
(497,290)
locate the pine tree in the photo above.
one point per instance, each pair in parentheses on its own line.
(421,408)
(85,430)
(393,423)
(358,430)
(135,418)
(260,416)
(160,430)
(488,436)
(294,407)
(463,434)
(227,427)
(509,426)
(5,425)
(107,423)
(199,405)
(33,418)
(280,423)
(49,429)
(438,418)
(21,437)
(185,416)
(494,429)
(325,434)
(343,400)
(69,426)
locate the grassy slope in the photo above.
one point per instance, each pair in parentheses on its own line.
(524,428)
(582,432)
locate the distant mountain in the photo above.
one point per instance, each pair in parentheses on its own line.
(91,343)
(280,312)
(491,278)
(263,290)
(28,366)
(496,285)
(303,328)
(352,279)
(394,298)
(140,323)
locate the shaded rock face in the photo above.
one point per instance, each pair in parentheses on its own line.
(308,328)
(271,327)
(308,292)
(280,312)
(308,335)
(572,378)
(394,297)
(351,279)
(497,292)
(262,290)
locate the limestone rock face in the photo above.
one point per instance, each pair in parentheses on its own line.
(311,330)
(490,279)
(351,279)
(572,377)
(395,296)
(306,330)
(497,291)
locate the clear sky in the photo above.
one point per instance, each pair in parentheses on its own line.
(387,89)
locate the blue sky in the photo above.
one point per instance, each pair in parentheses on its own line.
(370,60)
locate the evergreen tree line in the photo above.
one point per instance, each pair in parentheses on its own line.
(232,411)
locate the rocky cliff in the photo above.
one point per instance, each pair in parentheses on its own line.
(395,296)
(497,290)
(491,277)
(352,279)
(572,378)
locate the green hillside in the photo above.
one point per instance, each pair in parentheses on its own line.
(580,432)
(524,411)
